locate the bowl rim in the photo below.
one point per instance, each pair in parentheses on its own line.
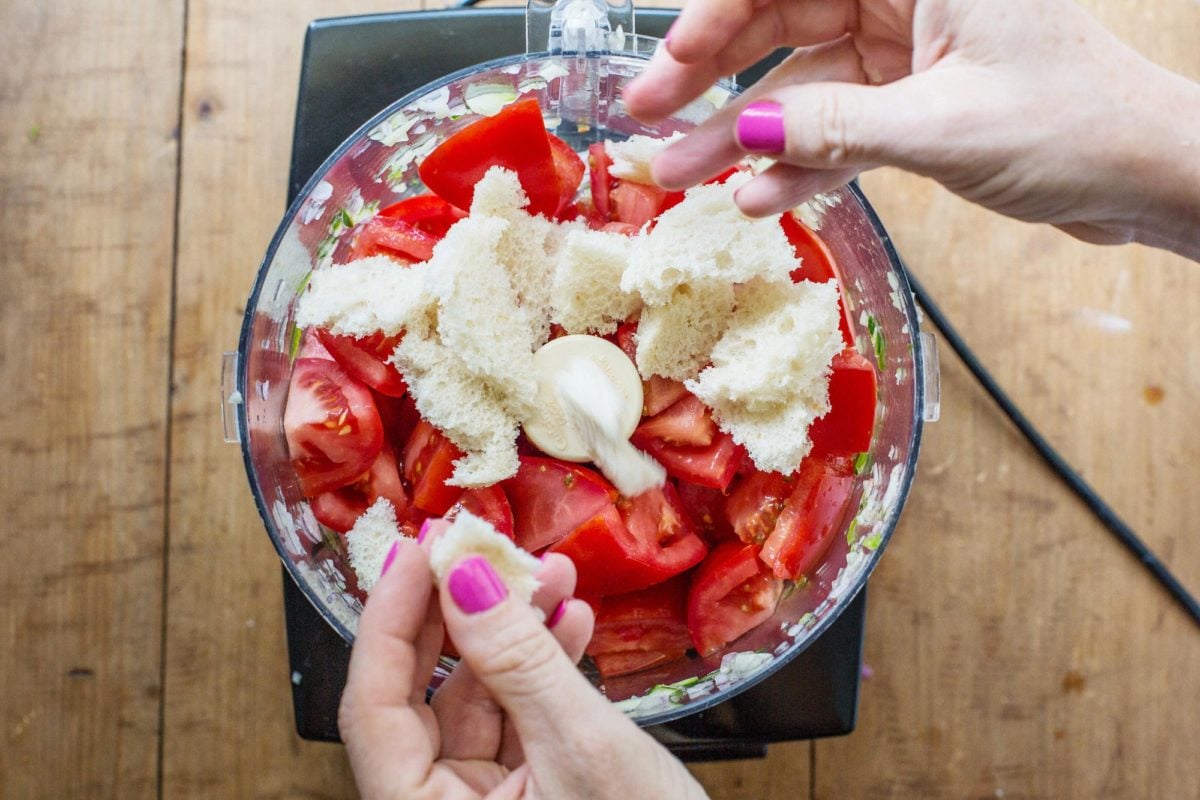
(903,290)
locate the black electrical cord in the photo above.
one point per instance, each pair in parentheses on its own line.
(1095,503)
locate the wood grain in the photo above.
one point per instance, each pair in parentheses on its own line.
(1017,650)
(228,726)
(87,194)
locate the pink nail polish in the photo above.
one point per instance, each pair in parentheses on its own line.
(475,586)
(389,558)
(760,128)
(559,610)
(423,530)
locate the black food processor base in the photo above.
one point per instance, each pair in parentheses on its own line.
(352,68)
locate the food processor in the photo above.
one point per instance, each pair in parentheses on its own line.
(574,57)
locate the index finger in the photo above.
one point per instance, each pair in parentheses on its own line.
(387,734)
(719,38)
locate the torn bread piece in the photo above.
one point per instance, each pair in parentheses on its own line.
(469,535)
(369,541)
(631,158)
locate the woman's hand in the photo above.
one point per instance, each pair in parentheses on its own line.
(1028,107)
(515,719)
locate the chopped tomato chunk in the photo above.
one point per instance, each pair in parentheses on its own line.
(551,498)
(425,212)
(810,518)
(850,423)
(687,422)
(487,503)
(731,592)
(641,629)
(515,139)
(388,236)
(332,426)
(428,463)
(366,359)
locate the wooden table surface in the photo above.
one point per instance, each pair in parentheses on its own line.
(1016,650)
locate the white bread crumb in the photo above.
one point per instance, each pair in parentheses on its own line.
(346,299)
(631,158)
(706,241)
(369,541)
(527,249)
(769,377)
(675,340)
(470,535)
(586,294)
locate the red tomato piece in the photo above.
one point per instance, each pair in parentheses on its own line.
(706,508)
(311,347)
(687,422)
(641,629)
(632,545)
(515,139)
(340,509)
(755,504)
(488,503)
(399,416)
(816,264)
(731,592)
(366,359)
(850,423)
(623,228)
(659,394)
(425,212)
(569,167)
(428,463)
(636,203)
(551,498)
(388,236)
(713,465)
(625,338)
(810,518)
(332,426)
(601,183)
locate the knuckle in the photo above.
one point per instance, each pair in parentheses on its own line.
(523,655)
(832,143)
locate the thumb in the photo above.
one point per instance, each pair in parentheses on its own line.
(513,654)
(838,126)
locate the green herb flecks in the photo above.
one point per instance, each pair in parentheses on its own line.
(862,462)
(872,542)
(852,532)
(35,133)
(341,222)
(297,337)
(875,332)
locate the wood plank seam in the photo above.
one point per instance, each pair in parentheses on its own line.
(169,416)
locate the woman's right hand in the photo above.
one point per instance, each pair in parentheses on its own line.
(1027,107)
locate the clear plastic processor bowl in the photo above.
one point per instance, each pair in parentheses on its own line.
(578,85)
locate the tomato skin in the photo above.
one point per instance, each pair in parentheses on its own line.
(810,518)
(850,423)
(551,498)
(488,503)
(399,417)
(569,167)
(706,508)
(601,183)
(515,139)
(425,212)
(755,503)
(686,422)
(340,509)
(366,359)
(731,592)
(659,394)
(428,463)
(388,236)
(311,347)
(638,630)
(332,427)
(713,466)
(816,264)
(636,203)
(646,542)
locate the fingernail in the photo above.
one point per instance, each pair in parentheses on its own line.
(424,530)
(559,610)
(475,586)
(760,128)
(389,558)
